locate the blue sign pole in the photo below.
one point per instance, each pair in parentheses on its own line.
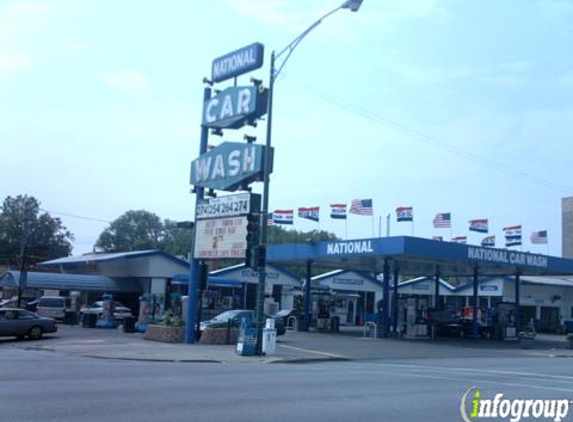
(194,264)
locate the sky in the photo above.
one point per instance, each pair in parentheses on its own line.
(461,106)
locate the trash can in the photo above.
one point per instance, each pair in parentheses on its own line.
(70,318)
(335,324)
(129,324)
(89,321)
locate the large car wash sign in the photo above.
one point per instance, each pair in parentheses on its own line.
(235,106)
(238,62)
(229,166)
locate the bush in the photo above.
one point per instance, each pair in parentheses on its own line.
(170,320)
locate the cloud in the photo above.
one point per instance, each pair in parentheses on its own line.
(288,13)
(10,62)
(129,82)
(508,74)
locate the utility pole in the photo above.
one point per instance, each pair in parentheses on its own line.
(23,254)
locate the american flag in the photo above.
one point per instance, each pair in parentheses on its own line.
(361,207)
(539,238)
(460,239)
(443,220)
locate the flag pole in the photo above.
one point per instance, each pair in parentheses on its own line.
(373,224)
(388,225)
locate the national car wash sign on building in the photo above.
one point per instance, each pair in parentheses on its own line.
(229,166)
(238,62)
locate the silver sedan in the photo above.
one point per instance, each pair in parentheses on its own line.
(20,323)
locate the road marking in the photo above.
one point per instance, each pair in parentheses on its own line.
(317,352)
(511,384)
(493,372)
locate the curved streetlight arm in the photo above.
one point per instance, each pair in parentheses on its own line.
(294,43)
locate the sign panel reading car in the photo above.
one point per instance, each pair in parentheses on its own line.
(221,238)
(238,62)
(228,166)
(235,106)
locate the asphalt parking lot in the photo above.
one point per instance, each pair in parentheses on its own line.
(292,347)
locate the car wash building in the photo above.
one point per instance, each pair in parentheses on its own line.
(132,273)
(352,295)
(410,257)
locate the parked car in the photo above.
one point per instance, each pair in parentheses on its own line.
(235,316)
(282,316)
(21,323)
(463,328)
(120,311)
(53,306)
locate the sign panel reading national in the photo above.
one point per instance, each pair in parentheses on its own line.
(238,62)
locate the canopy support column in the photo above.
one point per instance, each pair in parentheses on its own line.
(307,298)
(395,299)
(386,300)
(437,289)
(475,305)
(517,304)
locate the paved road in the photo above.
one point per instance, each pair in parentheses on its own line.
(40,386)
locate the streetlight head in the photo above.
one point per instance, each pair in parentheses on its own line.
(353,5)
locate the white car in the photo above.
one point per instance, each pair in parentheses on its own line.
(120,311)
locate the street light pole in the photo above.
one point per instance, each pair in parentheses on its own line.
(352,5)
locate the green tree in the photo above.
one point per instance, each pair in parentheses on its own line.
(25,230)
(177,240)
(133,230)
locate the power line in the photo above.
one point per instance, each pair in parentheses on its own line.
(428,139)
(79,217)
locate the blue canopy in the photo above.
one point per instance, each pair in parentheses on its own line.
(213,281)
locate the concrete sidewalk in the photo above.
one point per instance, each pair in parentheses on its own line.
(114,344)
(294,347)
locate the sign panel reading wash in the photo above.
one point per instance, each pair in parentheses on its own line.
(228,166)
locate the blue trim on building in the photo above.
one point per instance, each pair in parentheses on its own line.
(214,281)
(82,282)
(278,267)
(110,257)
(432,280)
(335,273)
